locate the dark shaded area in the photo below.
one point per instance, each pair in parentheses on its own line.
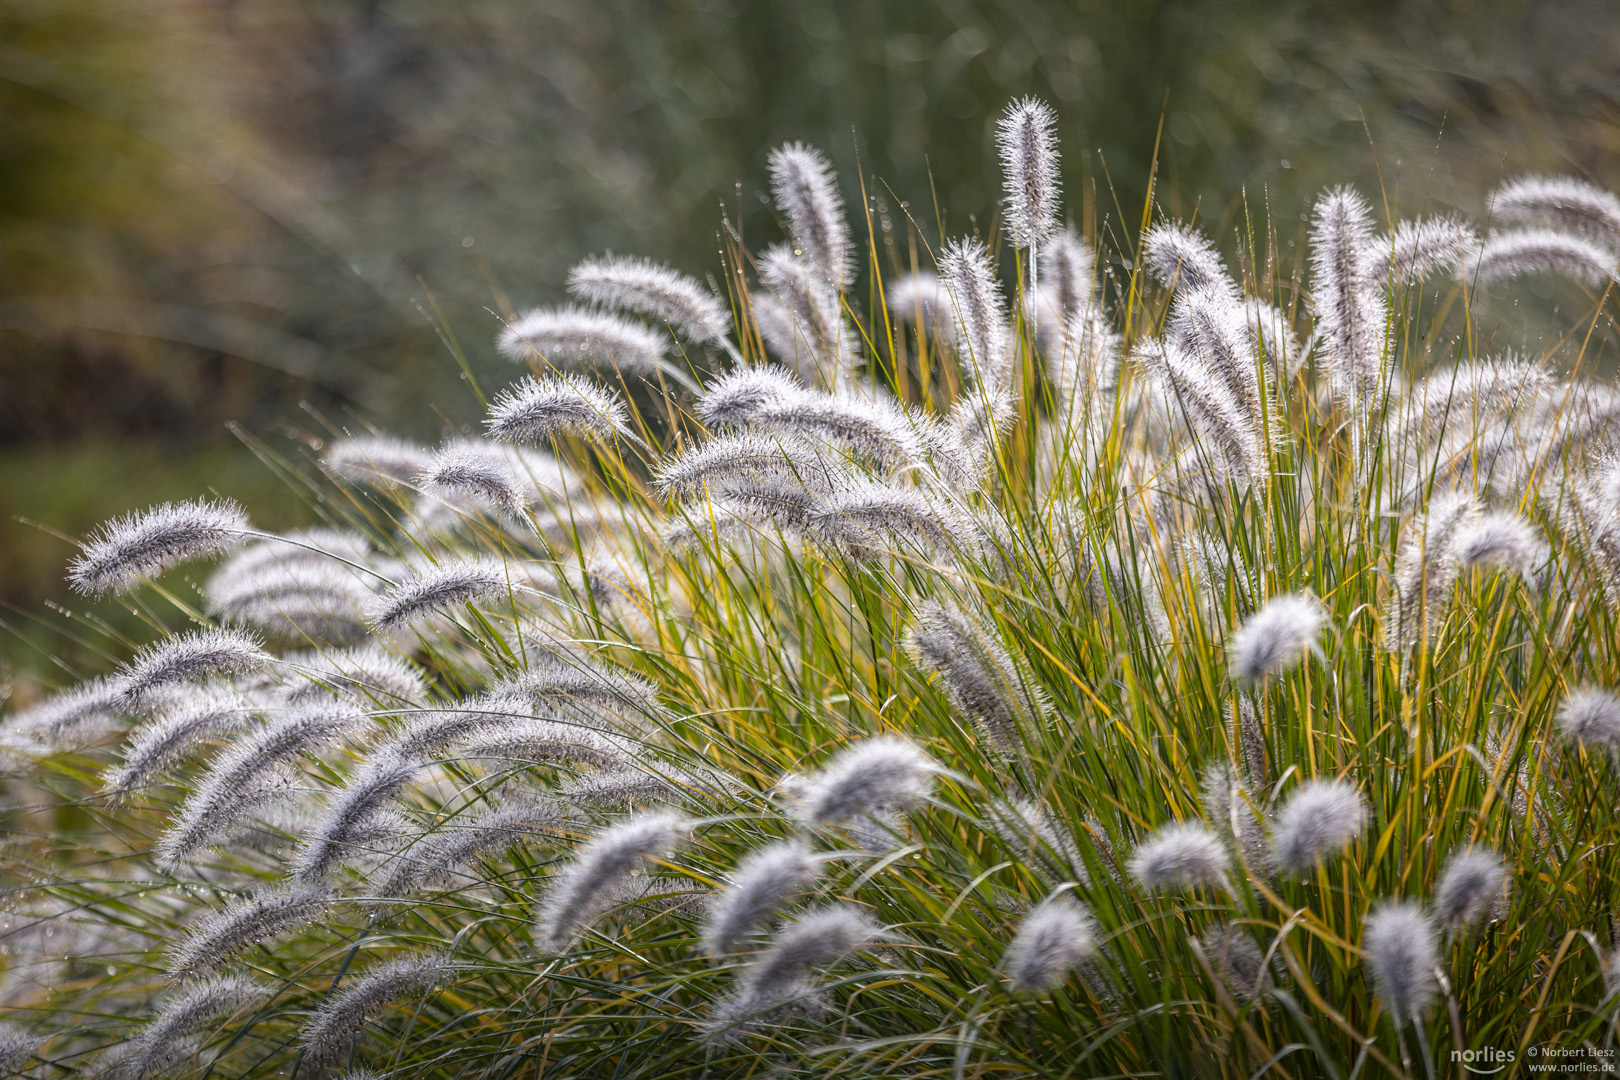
(217,211)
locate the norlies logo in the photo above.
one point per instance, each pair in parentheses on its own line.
(1485,1061)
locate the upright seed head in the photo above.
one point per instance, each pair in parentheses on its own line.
(1180,856)
(1053,940)
(140,545)
(1322,817)
(1276,636)
(649,288)
(1027,140)
(979,313)
(1472,888)
(1398,942)
(806,193)
(1349,297)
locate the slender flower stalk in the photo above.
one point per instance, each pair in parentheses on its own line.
(649,288)
(142,545)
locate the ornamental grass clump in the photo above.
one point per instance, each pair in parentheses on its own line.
(1040,649)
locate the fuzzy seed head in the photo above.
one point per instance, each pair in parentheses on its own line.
(537,410)
(1542,251)
(377,460)
(652,289)
(1276,636)
(1052,941)
(1472,888)
(1181,257)
(1180,856)
(439,586)
(579,891)
(141,545)
(761,884)
(805,192)
(215,939)
(866,778)
(188,657)
(1591,718)
(1321,818)
(979,322)
(582,338)
(1563,202)
(1027,139)
(1400,948)
(327,1034)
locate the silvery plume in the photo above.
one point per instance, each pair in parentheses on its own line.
(1275,637)
(189,657)
(1472,888)
(1400,947)
(376,460)
(355,816)
(1232,810)
(1348,295)
(1426,568)
(1229,442)
(1053,940)
(1027,142)
(195,719)
(136,546)
(1564,202)
(169,1037)
(584,339)
(816,311)
(780,980)
(1542,251)
(1321,818)
(1180,855)
(1591,719)
(538,410)
(977,674)
(979,323)
(760,885)
(805,191)
(649,288)
(444,856)
(1178,256)
(217,938)
(1418,249)
(578,891)
(1237,961)
(448,583)
(328,1034)
(867,778)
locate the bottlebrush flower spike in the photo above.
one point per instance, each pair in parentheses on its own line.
(442,857)
(578,891)
(979,322)
(16,1047)
(1398,942)
(1027,140)
(920,298)
(1207,403)
(649,288)
(87,703)
(474,471)
(215,939)
(747,393)
(781,975)
(748,459)
(869,777)
(1502,540)
(1053,940)
(537,410)
(247,775)
(1349,297)
(369,459)
(1321,818)
(819,326)
(1417,249)
(141,545)
(166,1040)
(1183,258)
(154,746)
(871,520)
(328,1034)
(1591,718)
(1275,637)
(1560,201)
(977,672)
(1426,568)
(1069,268)
(1541,251)
(350,819)
(584,339)
(1180,856)
(805,192)
(764,881)
(1472,888)
(365,674)
(1231,809)
(1237,961)
(187,657)
(441,586)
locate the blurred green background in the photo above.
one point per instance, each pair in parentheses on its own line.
(240,210)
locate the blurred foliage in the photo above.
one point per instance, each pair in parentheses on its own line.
(216,210)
